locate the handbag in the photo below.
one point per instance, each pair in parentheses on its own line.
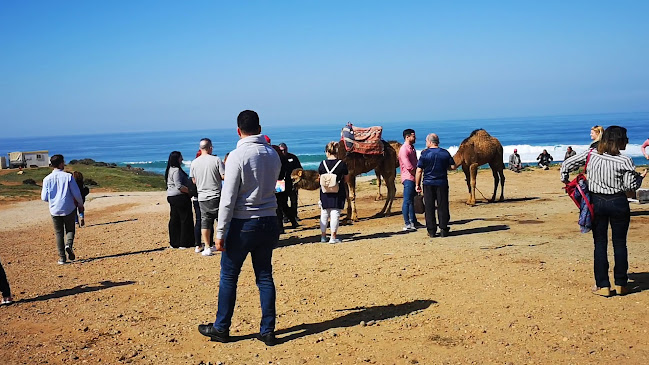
(578,191)
(420,208)
(329,181)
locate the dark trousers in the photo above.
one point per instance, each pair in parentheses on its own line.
(181,223)
(292,210)
(282,206)
(4,284)
(64,232)
(613,209)
(257,236)
(436,199)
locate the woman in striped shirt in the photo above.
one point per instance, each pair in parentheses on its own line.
(610,175)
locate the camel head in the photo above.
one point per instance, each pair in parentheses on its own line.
(305,179)
(459,155)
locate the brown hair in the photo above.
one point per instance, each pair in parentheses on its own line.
(332,148)
(613,140)
(78,177)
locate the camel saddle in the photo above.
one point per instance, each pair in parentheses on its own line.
(366,141)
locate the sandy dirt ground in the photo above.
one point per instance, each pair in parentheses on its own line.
(511,285)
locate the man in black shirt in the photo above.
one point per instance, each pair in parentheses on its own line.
(292,163)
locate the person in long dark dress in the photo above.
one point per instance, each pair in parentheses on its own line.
(332,203)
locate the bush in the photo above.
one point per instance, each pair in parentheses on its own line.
(86,161)
(100,164)
(72,162)
(90,182)
(29,182)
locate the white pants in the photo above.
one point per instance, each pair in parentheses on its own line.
(324,216)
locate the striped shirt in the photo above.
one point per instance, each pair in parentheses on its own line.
(606,174)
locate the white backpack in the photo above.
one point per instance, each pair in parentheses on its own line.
(329,181)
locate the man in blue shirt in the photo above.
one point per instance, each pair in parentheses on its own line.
(63,195)
(433,165)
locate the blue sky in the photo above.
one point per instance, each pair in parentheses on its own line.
(84,67)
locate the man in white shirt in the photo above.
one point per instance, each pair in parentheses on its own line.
(207,173)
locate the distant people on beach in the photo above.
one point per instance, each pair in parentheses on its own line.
(569,153)
(408,165)
(207,172)
(596,135)
(4,287)
(610,175)
(247,214)
(292,163)
(515,163)
(80,216)
(643,148)
(433,167)
(332,202)
(181,223)
(545,159)
(62,193)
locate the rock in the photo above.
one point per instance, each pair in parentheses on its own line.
(363,323)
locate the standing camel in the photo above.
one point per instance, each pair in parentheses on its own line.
(396,146)
(384,166)
(476,150)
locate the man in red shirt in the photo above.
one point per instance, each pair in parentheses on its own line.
(408,166)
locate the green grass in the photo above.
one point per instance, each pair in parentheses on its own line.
(107,178)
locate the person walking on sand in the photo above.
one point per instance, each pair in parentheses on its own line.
(569,153)
(515,163)
(64,197)
(331,203)
(79,217)
(247,224)
(545,159)
(207,173)
(408,165)
(433,166)
(610,175)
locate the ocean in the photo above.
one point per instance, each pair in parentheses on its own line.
(530,135)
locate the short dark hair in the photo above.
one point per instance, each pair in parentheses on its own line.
(407,132)
(207,144)
(248,122)
(56,160)
(613,140)
(282,145)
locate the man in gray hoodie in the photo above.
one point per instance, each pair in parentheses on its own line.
(247,224)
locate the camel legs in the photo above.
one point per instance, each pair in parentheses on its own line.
(502,182)
(392,192)
(378,180)
(499,175)
(496,178)
(473,169)
(351,200)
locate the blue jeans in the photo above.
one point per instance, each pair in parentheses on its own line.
(613,209)
(408,207)
(257,236)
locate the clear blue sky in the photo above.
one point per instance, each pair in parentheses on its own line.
(98,66)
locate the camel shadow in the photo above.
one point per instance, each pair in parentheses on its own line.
(115,222)
(638,282)
(465,221)
(359,314)
(494,228)
(355,237)
(79,289)
(291,241)
(82,261)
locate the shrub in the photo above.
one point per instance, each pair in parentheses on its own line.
(90,182)
(29,182)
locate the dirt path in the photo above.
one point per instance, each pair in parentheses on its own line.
(511,285)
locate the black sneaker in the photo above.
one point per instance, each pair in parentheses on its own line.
(444,232)
(419,225)
(71,255)
(268,338)
(214,334)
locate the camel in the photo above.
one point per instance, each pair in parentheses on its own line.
(476,150)
(384,166)
(396,146)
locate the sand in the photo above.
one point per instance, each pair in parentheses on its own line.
(511,285)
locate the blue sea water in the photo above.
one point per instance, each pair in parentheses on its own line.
(530,135)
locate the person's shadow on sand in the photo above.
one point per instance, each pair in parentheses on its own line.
(366,314)
(638,282)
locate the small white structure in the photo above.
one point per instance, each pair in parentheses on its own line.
(29,159)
